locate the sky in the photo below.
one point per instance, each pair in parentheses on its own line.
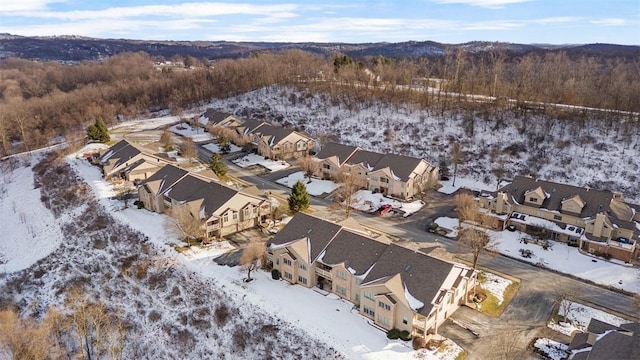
(357,21)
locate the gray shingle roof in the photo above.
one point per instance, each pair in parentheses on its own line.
(596,201)
(402,166)
(275,133)
(215,116)
(343,152)
(321,232)
(122,152)
(168,174)
(250,126)
(185,188)
(356,251)
(608,342)
(368,158)
(422,274)
(214,195)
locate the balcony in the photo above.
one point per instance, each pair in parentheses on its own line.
(622,243)
(324,273)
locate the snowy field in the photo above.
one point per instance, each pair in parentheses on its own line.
(196,133)
(28,233)
(214,148)
(315,186)
(254,159)
(565,151)
(559,257)
(144,124)
(579,316)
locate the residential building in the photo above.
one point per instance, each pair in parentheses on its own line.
(221,210)
(129,162)
(276,142)
(598,221)
(604,341)
(392,286)
(217,118)
(390,174)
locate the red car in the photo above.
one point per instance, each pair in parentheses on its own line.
(384,209)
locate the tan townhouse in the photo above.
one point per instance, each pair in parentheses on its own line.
(222,210)
(129,162)
(390,174)
(393,287)
(275,142)
(222,119)
(598,221)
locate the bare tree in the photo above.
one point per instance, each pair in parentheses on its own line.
(476,240)
(456,158)
(309,165)
(166,141)
(189,226)
(252,256)
(188,148)
(467,208)
(346,190)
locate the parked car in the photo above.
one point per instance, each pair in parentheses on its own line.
(384,209)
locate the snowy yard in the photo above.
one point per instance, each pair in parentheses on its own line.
(496,285)
(367,201)
(196,133)
(315,187)
(578,317)
(552,349)
(560,257)
(144,124)
(465,183)
(215,148)
(254,159)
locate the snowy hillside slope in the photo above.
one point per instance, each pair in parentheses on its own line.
(597,153)
(172,312)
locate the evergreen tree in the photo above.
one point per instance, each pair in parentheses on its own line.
(223,144)
(98,131)
(299,199)
(217,165)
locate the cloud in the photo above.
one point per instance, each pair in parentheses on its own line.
(610,22)
(26,5)
(490,4)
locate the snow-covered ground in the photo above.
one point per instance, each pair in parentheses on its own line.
(367,201)
(314,186)
(466,183)
(579,316)
(496,285)
(254,159)
(196,133)
(144,124)
(215,148)
(559,257)
(27,232)
(588,152)
(552,349)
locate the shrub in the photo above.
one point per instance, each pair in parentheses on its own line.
(393,334)
(221,314)
(419,343)
(433,227)
(139,204)
(275,274)
(405,335)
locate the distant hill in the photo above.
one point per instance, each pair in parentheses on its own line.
(77,48)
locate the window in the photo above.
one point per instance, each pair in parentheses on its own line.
(369,311)
(384,306)
(369,296)
(342,275)
(340,290)
(384,180)
(384,321)
(357,298)
(277,261)
(255,210)
(247,212)
(302,266)
(405,320)
(326,166)
(235,215)
(226,217)
(302,280)
(532,199)
(374,178)
(288,276)
(286,261)
(557,217)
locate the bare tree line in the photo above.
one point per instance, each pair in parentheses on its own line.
(41,100)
